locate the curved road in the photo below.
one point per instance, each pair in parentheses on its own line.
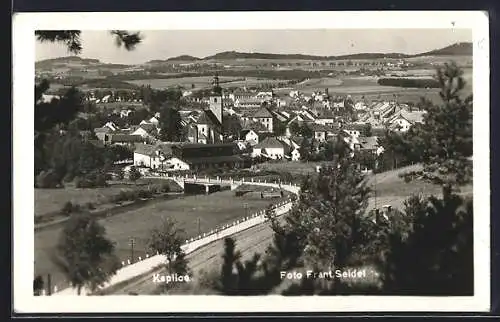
(250,241)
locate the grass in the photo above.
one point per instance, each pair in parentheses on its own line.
(211,210)
(393,190)
(199,82)
(48,201)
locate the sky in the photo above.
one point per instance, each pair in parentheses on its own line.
(201,43)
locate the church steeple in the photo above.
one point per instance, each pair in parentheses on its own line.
(216,89)
(216,99)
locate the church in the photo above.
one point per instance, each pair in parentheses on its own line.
(208,128)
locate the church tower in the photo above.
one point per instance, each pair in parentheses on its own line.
(215,104)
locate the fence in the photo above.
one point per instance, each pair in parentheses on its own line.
(130,270)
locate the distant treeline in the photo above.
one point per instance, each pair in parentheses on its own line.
(409,82)
(271,74)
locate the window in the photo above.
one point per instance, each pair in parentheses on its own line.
(215,99)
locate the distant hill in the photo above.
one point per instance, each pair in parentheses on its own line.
(183,58)
(464,48)
(228,55)
(68,59)
(458,49)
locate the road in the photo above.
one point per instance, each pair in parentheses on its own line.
(248,242)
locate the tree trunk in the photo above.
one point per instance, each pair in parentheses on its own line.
(79,290)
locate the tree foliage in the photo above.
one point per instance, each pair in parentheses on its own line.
(84,254)
(73,42)
(231,125)
(38,285)
(170,124)
(445,136)
(434,255)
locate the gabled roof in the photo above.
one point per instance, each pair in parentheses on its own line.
(150,150)
(208,117)
(413,117)
(370,142)
(262,113)
(102,130)
(271,142)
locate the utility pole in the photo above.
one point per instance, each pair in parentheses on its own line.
(132,244)
(49,285)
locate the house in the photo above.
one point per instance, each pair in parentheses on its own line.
(264,117)
(47,98)
(325,117)
(295,155)
(272,148)
(403,120)
(122,139)
(147,130)
(249,136)
(241,95)
(154,121)
(248,102)
(125,113)
(369,144)
(321,132)
(152,156)
(206,156)
(101,132)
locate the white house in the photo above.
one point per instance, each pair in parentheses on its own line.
(154,121)
(271,148)
(403,120)
(249,136)
(152,156)
(295,155)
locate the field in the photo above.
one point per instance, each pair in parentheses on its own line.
(199,82)
(51,200)
(366,87)
(393,190)
(202,82)
(211,210)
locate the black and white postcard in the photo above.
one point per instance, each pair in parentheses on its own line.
(251,162)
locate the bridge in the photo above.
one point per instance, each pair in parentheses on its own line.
(208,182)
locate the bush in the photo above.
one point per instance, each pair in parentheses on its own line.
(93,180)
(410,82)
(67,208)
(90,206)
(165,187)
(47,179)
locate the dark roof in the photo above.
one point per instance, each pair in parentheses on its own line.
(271,142)
(262,113)
(208,117)
(212,160)
(187,145)
(150,150)
(148,127)
(102,130)
(125,138)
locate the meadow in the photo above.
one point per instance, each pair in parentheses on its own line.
(194,214)
(199,82)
